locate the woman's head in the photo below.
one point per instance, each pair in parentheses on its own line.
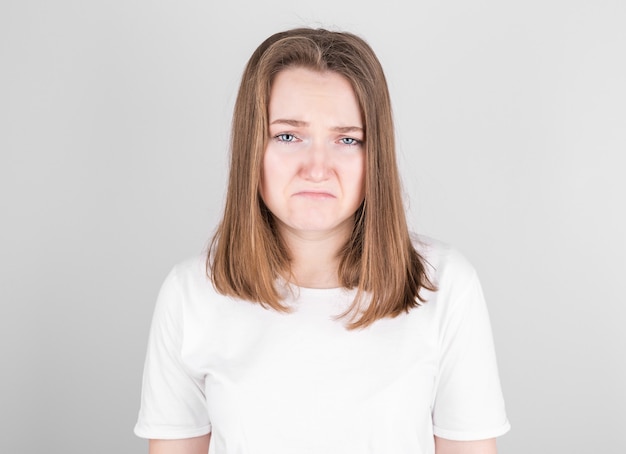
(248,253)
(320,51)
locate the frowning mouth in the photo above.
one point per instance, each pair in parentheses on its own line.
(316,195)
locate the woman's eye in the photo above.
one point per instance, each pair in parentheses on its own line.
(286,137)
(350,141)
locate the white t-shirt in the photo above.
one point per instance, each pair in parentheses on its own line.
(265,382)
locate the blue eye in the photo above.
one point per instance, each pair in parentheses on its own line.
(350,141)
(285,137)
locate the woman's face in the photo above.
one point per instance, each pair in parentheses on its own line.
(314,164)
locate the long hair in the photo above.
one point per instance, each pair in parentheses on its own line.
(247,255)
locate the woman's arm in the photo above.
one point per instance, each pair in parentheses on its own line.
(444,446)
(196,445)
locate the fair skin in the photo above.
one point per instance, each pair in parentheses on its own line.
(196,445)
(444,446)
(313,169)
(312,182)
(200,445)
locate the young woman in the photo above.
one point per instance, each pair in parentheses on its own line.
(317,323)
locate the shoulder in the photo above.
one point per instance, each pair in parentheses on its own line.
(189,300)
(186,278)
(192,267)
(445,263)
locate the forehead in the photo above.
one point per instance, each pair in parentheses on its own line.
(300,88)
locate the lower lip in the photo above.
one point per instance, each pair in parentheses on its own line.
(315,195)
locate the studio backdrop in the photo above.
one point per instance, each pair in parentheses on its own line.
(114,130)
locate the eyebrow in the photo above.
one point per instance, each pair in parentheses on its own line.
(301,124)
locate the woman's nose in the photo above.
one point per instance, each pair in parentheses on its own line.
(316,165)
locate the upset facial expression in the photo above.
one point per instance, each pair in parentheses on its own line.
(314,164)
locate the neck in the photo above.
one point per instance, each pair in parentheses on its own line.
(315,256)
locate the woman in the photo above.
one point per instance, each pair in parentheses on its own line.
(317,323)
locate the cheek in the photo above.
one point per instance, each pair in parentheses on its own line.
(352,174)
(271,175)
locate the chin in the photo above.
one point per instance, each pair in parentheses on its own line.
(312,228)
(318,227)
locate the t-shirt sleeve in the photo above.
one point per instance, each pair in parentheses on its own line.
(468,402)
(173,403)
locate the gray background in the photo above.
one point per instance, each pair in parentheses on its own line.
(114,120)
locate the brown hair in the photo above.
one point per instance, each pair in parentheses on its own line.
(247,254)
